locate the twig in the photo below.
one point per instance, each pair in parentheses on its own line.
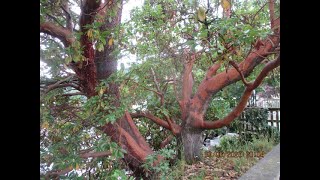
(241,74)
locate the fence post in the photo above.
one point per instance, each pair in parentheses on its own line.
(278,119)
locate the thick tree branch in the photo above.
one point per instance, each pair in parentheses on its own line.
(89,10)
(133,145)
(177,128)
(271,13)
(243,101)
(187,82)
(213,70)
(95,154)
(141,141)
(210,86)
(63,34)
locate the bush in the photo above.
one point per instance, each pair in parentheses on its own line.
(257,119)
(228,143)
(260,144)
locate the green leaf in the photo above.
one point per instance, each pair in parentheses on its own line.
(100,47)
(103,40)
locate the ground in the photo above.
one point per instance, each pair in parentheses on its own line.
(223,168)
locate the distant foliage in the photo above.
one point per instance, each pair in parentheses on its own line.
(256,118)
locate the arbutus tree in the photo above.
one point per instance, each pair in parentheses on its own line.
(93,114)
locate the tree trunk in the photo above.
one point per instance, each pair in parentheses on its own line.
(192,143)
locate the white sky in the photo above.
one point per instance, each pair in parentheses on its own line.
(127,7)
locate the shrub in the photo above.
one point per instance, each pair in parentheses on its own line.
(256,118)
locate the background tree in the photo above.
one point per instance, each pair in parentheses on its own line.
(92,114)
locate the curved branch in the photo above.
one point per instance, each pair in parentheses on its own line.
(177,128)
(243,101)
(63,34)
(210,86)
(241,74)
(141,141)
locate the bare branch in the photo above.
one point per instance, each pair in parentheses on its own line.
(187,83)
(155,80)
(258,12)
(95,154)
(241,74)
(157,120)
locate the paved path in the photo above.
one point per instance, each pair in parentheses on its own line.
(267,168)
